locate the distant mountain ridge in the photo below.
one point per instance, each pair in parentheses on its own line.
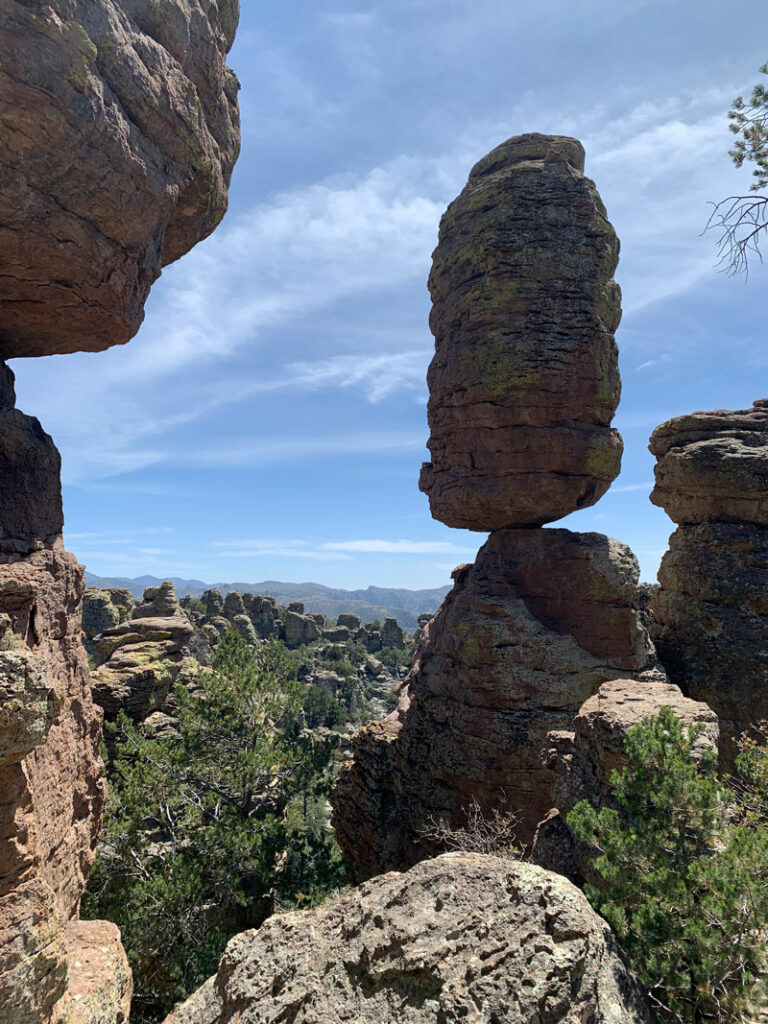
(370,603)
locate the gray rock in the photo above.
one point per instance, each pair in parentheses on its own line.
(462,937)
(99,612)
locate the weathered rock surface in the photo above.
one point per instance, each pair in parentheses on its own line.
(528,633)
(711,619)
(99,612)
(144,657)
(99,984)
(120,130)
(524,382)
(582,759)
(711,608)
(462,937)
(51,784)
(713,466)
(158,602)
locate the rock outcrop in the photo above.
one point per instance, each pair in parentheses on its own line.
(141,657)
(582,760)
(711,609)
(120,131)
(119,127)
(51,777)
(462,937)
(524,381)
(529,632)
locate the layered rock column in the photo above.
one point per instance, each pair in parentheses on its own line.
(523,387)
(120,130)
(711,610)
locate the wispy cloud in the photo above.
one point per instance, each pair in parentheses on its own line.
(397,547)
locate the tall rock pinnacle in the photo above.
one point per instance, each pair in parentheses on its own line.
(524,381)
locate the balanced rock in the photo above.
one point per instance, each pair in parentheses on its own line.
(527,634)
(524,382)
(711,608)
(462,937)
(158,602)
(120,130)
(713,466)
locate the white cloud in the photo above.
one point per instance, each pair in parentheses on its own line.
(397,547)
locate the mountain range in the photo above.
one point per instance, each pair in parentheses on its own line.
(370,603)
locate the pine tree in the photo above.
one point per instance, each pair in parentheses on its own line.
(684,879)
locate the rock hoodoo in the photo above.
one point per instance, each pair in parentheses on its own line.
(524,381)
(120,131)
(523,387)
(462,937)
(528,633)
(711,610)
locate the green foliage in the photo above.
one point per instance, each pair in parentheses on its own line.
(684,882)
(749,121)
(208,831)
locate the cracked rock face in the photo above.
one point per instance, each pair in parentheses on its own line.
(524,382)
(462,937)
(528,633)
(120,131)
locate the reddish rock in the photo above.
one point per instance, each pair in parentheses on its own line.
(99,983)
(528,633)
(713,466)
(51,799)
(120,130)
(524,381)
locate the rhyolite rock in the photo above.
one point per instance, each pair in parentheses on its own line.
(711,608)
(99,612)
(99,982)
(527,634)
(713,466)
(524,382)
(51,782)
(120,131)
(461,937)
(583,759)
(158,602)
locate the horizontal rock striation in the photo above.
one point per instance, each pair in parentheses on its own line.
(528,633)
(711,609)
(462,937)
(713,466)
(524,382)
(120,131)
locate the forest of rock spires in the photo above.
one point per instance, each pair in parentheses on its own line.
(119,127)
(120,131)
(524,382)
(461,937)
(711,610)
(523,387)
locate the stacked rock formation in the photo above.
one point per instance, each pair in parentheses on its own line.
(119,127)
(462,937)
(523,384)
(711,610)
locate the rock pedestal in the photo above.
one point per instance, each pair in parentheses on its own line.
(524,381)
(527,634)
(711,609)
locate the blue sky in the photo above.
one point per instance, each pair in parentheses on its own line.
(269,420)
